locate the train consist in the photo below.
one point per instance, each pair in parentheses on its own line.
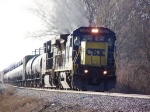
(82,60)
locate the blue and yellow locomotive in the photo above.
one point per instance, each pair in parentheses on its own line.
(82,60)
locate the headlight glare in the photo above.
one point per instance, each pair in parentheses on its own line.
(104,72)
(95,30)
(85,71)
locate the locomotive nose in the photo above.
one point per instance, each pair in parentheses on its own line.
(94,53)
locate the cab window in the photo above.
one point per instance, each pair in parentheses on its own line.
(110,41)
(99,38)
(77,41)
(87,37)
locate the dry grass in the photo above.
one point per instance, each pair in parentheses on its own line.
(9,91)
(12,103)
(9,102)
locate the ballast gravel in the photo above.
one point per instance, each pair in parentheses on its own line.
(92,103)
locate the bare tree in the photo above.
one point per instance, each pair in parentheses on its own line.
(91,6)
(130,21)
(59,16)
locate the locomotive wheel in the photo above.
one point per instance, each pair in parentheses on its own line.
(39,85)
(25,85)
(30,84)
(20,84)
(76,88)
(58,87)
(34,84)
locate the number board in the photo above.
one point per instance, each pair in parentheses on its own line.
(90,30)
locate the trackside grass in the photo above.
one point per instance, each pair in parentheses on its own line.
(9,102)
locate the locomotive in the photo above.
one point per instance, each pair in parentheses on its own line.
(81,60)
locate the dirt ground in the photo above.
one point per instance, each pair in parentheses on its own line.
(9,102)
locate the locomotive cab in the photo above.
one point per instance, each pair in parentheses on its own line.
(93,61)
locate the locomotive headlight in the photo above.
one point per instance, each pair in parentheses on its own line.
(105,72)
(95,30)
(86,71)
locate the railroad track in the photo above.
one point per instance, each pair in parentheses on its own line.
(92,93)
(100,101)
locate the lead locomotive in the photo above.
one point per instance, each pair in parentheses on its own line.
(82,60)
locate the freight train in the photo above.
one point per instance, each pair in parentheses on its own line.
(81,60)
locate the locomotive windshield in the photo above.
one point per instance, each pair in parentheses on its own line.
(110,41)
(87,37)
(99,38)
(93,38)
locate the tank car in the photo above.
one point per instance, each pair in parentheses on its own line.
(13,74)
(81,60)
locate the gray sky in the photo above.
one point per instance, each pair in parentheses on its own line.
(15,22)
(63,16)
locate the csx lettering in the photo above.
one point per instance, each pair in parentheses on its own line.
(95,52)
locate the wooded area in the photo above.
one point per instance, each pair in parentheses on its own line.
(131,23)
(130,20)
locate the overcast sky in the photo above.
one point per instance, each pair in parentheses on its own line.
(15,22)
(63,16)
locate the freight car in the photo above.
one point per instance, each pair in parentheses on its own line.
(81,60)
